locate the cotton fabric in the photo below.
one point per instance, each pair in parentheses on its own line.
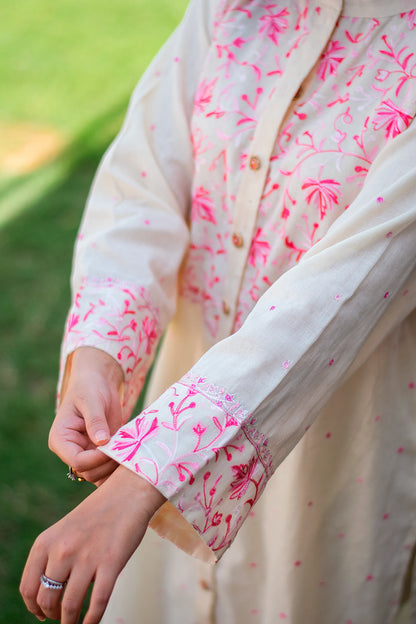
(260,197)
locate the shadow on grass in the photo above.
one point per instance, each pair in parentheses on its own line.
(35,258)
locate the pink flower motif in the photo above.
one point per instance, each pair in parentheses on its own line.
(203,206)
(243,475)
(411,18)
(392,118)
(199,430)
(132,439)
(382,75)
(323,193)
(216,518)
(331,60)
(259,249)
(203,95)
(149,327)
(274,23)
(73,320)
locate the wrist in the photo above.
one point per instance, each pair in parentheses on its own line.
(137,489)
(92,360)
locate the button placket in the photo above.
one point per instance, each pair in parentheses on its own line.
(254,176)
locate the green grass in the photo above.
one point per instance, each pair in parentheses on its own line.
(68,67)
(65,61)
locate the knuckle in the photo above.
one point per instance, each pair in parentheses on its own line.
(45,603)
(100,599)
(65,550)
(26,591)
(41,543)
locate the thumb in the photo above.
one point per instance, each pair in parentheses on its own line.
(96,425)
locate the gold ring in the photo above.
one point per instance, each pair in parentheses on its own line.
(74,476)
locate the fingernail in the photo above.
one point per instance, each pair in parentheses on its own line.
(41,618)
(101,436)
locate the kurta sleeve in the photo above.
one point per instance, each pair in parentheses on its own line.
(134,231)
(213,439)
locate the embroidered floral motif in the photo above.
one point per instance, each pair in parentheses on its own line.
(390,117)
(119,318)
(223,459)
(327,142)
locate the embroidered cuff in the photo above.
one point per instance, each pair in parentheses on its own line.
(118,318)
(202,450)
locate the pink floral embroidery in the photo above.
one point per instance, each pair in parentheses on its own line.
(119,318)
(230,460)
(411,18)
(325,146)
(73,320)
(273,24)
(150,331)
(132,441)
(259,250)
(331,59)
(243,477)
(323,193)
(204,95)
(202,206)
(392,118)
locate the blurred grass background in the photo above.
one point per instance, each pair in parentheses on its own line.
(66,72)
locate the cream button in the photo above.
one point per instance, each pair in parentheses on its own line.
(226,307)
(255,163)
(237,239)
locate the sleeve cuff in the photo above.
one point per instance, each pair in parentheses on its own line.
(201,448)
(120,319)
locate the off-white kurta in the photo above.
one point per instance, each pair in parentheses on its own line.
(263,193)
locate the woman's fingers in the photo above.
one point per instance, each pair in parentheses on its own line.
(49,598)
(92,543)
(29,585)
(100,473)
(89,461)
(75,591)
(100,595)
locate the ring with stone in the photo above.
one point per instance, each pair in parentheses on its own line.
(50,583)
(74,476)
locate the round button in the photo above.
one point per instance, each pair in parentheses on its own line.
(226,307)
(255,163)
(237,240)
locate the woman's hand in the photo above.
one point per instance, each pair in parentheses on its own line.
(89,414)
(91,544)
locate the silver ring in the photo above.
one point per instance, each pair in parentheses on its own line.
(50,583)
